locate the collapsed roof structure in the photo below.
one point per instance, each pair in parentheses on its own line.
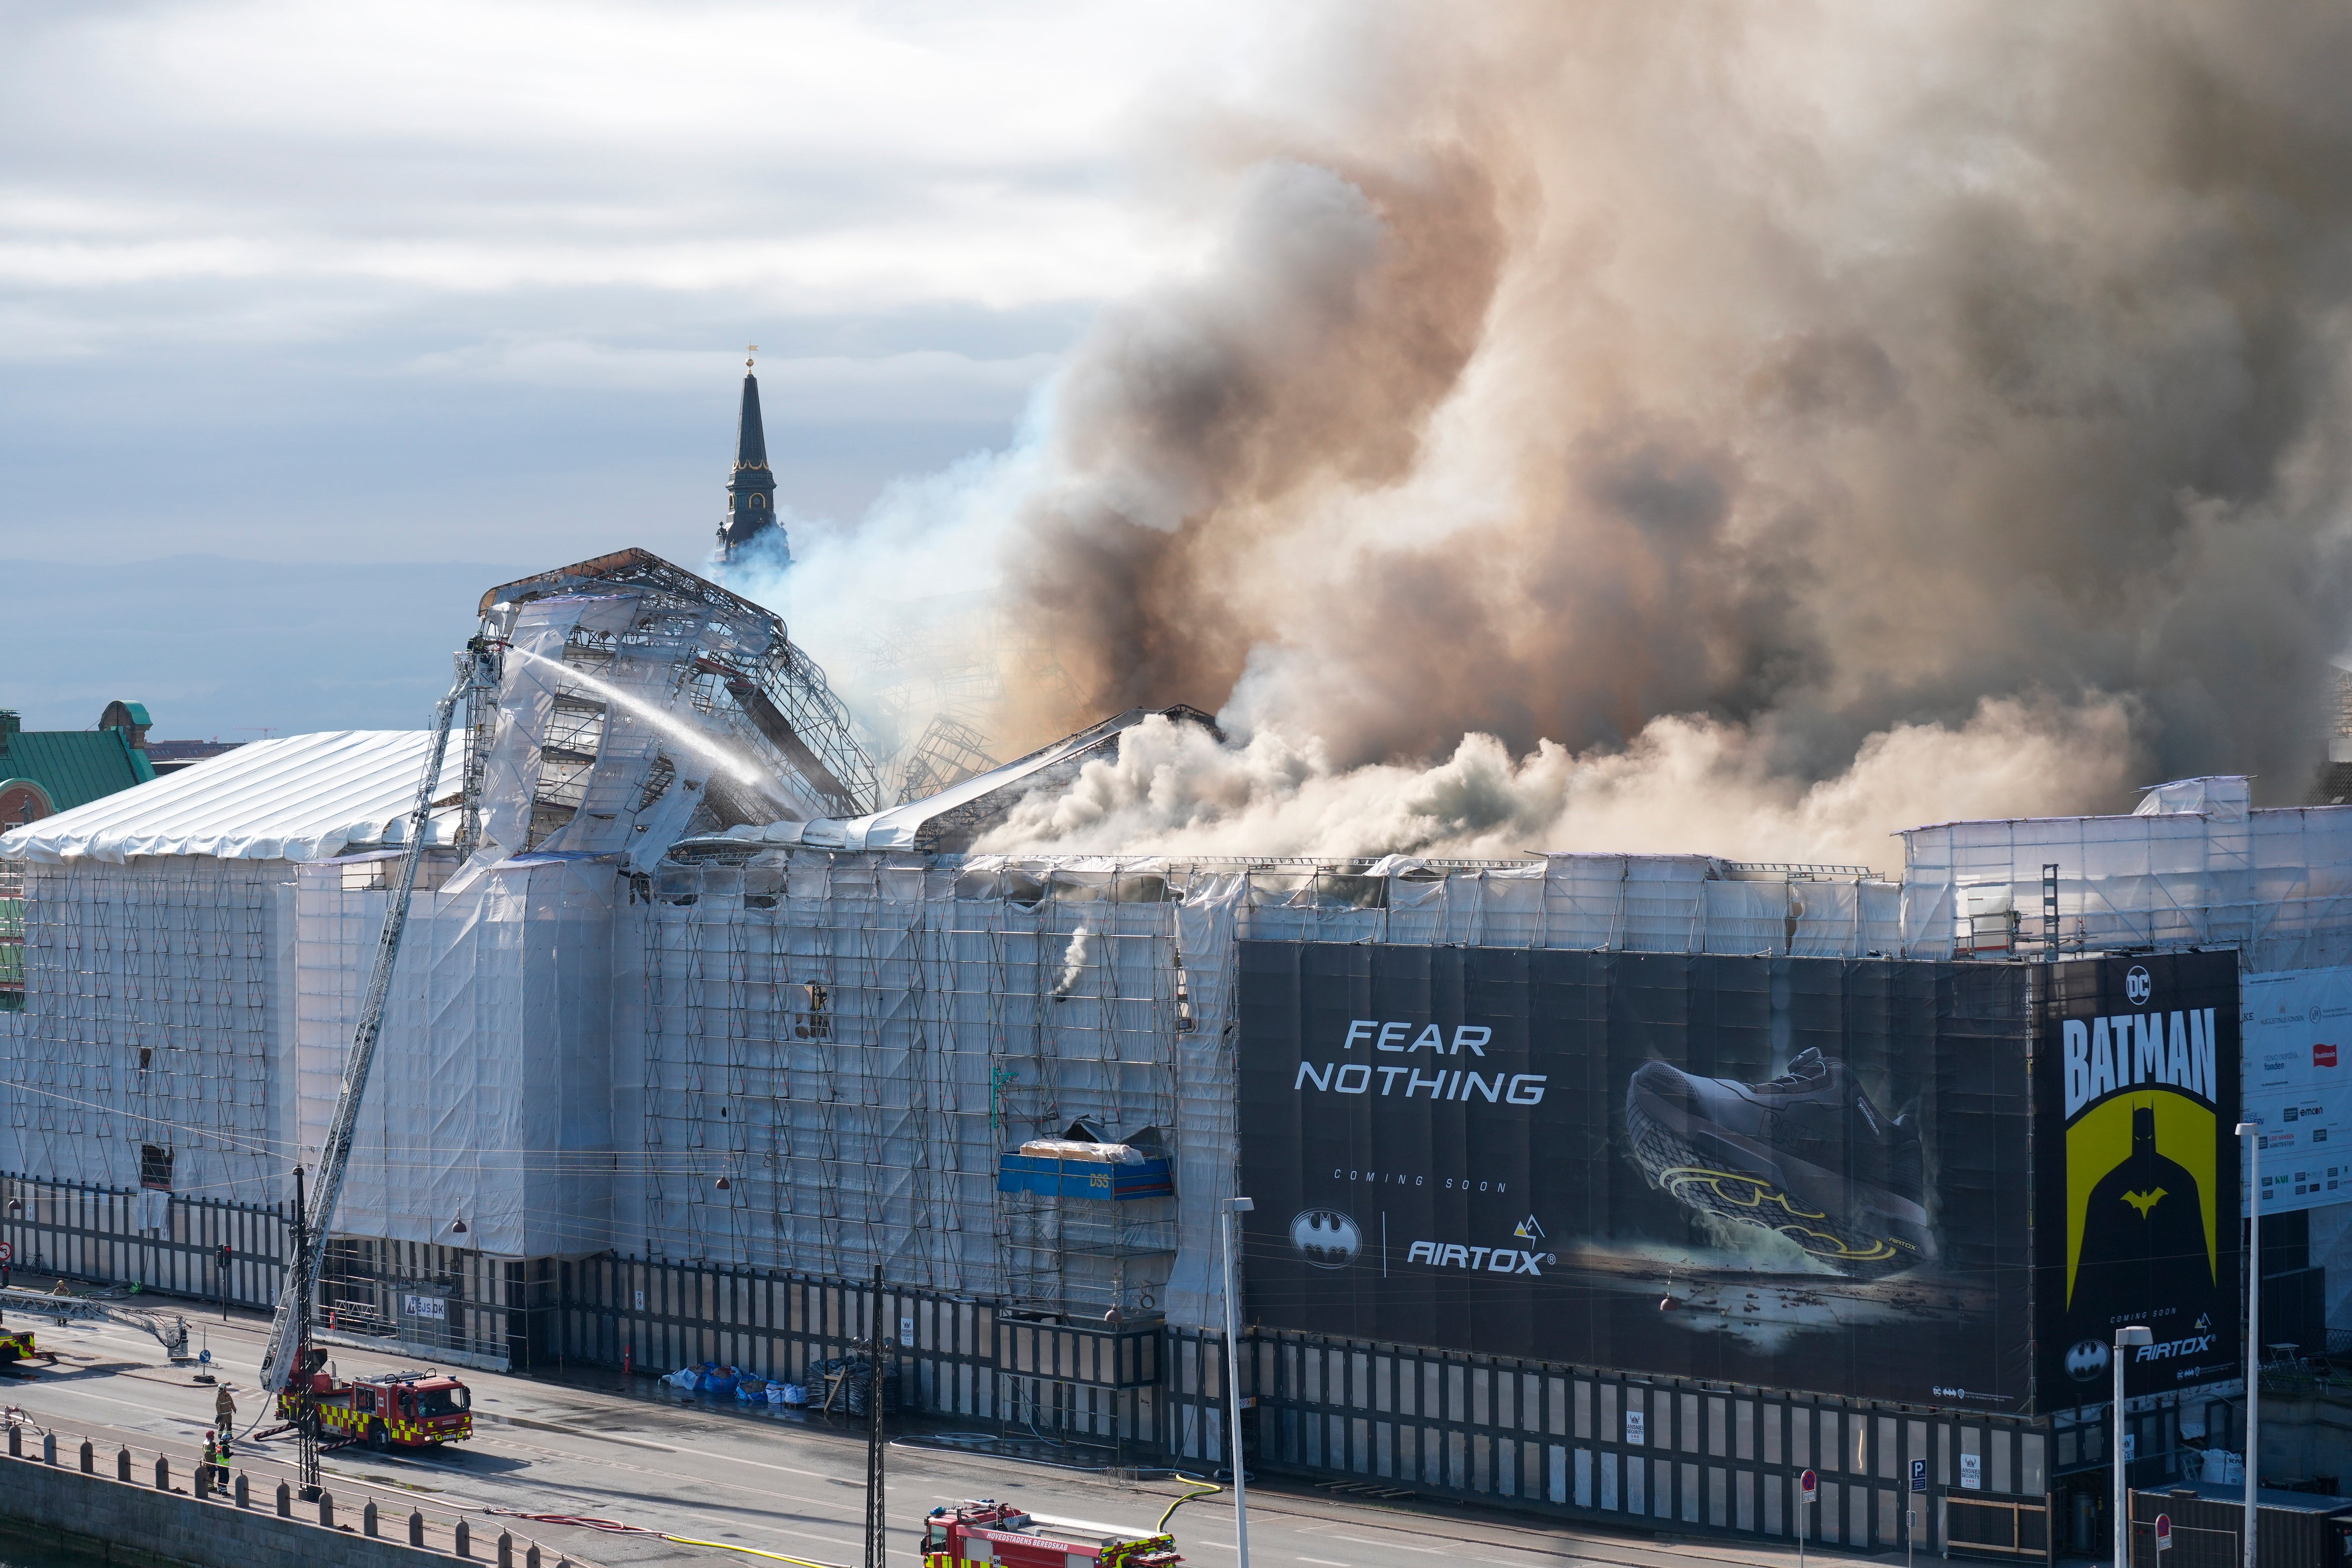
(624,676)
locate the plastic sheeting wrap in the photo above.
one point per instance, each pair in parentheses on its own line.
(1630,903)
(295,798)
(156,1004)
(849,1042)
(652,755)
(489,1099)
(1207,1146)
(2275,884)
(838,1047)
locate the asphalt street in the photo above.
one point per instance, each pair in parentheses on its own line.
(633,1451)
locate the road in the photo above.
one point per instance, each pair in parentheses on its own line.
(631,1451)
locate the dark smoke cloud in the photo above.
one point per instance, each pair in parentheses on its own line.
(1815,373)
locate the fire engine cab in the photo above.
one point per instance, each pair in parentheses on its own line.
(985,1532)
(405,1409)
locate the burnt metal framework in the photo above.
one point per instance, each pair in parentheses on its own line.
(948,751)
(778,702)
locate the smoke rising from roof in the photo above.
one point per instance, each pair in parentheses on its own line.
(1758,430)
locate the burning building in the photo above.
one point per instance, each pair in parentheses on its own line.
(693,1037)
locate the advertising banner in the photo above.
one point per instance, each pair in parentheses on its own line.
(2298,1084)
(2137,1172)
(1804,1174)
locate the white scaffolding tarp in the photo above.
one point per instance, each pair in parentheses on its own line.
(158,1005)
(489,1101)
(300,797)
(2195,867)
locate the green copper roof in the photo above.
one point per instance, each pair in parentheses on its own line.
(74,767)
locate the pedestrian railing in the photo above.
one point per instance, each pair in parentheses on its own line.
(480,1537)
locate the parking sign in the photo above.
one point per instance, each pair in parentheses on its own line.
(1918,1475)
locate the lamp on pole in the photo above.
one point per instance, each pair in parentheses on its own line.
(2252,1132)
(2125,1339)
(1233,1388)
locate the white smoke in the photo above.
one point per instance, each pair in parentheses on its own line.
(1075,959)
(1685,785)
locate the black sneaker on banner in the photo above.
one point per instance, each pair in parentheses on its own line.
(1805,1155)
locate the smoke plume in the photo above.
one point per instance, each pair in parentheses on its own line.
(1713,427)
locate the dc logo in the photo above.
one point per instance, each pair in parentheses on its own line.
(2088,1361)
(1325,1237)
(2137,985)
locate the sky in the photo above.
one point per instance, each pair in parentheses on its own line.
(438,294)
(1606,425)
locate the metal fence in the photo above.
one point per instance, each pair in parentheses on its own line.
(1615,1445)
(1593,1444)
(158,1240)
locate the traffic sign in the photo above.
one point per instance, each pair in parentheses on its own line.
(1810,1484)
(8,1252)
(1918,1475)
(2164,1532)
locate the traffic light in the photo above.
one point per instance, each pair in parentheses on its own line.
(221,1257)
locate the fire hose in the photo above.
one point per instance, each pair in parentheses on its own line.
(1207,1489)
(618,1527)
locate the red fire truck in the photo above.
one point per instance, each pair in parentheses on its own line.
(987,1533)
(403,1409)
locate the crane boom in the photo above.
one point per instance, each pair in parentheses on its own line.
(287,1328)
(170,1332)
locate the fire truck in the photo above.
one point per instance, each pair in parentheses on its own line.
(385,1410)
(985,1532)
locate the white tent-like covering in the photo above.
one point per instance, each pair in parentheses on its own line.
(302,797)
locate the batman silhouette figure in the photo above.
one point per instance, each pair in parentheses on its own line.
(2145,1256)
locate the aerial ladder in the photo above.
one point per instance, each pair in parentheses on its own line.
(169,1331)
(290,1362)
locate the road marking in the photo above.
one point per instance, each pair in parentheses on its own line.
(1325,1562)
(1388,1546)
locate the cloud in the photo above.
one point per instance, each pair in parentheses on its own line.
(922,384)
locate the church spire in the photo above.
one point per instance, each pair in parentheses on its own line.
(751,489)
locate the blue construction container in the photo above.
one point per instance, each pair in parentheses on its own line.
(1052,1178)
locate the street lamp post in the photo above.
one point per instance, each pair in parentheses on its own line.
(1233,1388)
(2125,1339)
(2252,1132)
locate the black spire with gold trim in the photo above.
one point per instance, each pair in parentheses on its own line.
(751,489)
